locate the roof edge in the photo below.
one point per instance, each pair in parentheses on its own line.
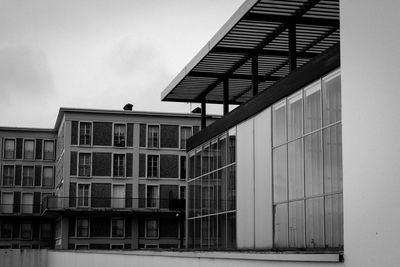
(232,21)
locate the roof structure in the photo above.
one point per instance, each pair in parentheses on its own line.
(260,44)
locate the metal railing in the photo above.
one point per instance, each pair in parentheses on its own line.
(61,203)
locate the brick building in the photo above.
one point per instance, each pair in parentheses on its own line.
(100,179)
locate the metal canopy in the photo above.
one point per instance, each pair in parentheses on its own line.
(259,45)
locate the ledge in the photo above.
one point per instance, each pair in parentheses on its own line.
(327,257)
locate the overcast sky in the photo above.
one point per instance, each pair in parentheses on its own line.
(98,53)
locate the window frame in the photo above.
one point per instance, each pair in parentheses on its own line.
(23,176)
(112,195)
(180,135)
(90,164)
(44,149)
(180,167)
(52,176)
(157,199)
(22,203)
(4,149)
(41,230)
(20,231)
(76,227)
(13,176)
(118,144)
(146,231)
(33,149)
(148,136)
(123,166)
(123,227)
(88,195)
(158,166)
(2,193)
(90,134)
(1,231)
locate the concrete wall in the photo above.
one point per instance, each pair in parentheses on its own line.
(370,67)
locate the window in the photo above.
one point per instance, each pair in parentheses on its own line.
(153,136)
(152,196)
(29,149)
(152,228)
(27,179)
(9,148)
(118,196)
(8,175)
(85,133)
(47,177)
(183,167)
(6,231)
(307,167)
(152,166)
(82,227)
(117,227)
(26,231)
(7,202)
(48,150)
(119,165)
(186,132)
(84,164)
(119,135)
(83,195)
(27,203)
(46,231)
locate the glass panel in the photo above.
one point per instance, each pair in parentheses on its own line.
(47,176)
(315,222)
(331,99)
(213,231)
(222,151)
(205,160)
(312,107)
(222,190)
(222,231)
(280,173)
(231,230)
(281,226)
(48,150)
(204,232)
(313,164)
(191,198)
(197,233)
(334,220)
(205,195)
(295,169)
(295,116)
(296,224)
(186,132)
(197,164)
(333,159)
(190,237)
(28,149)
(197,197)
(216,183)
(279,123)
(214,155)
(231,190)
(232,146)
(27,203)
(9,145)
(191,166)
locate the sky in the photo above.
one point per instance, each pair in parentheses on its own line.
(98,53)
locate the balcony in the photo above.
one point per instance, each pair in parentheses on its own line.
(54,204)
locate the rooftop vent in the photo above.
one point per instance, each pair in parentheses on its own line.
(196,110)
(128,106)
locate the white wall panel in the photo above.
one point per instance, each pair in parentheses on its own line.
(263,180)
(245,184)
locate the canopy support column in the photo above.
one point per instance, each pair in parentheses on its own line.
(203,113)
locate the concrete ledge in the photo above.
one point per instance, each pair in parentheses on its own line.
(256,256)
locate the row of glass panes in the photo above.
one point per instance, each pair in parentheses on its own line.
(312,223)
(216,231)
(308,166)
(27,175)
(29,149)
(212,193)
(307,110)
(213,155)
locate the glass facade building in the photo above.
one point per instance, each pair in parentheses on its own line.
(212,193)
